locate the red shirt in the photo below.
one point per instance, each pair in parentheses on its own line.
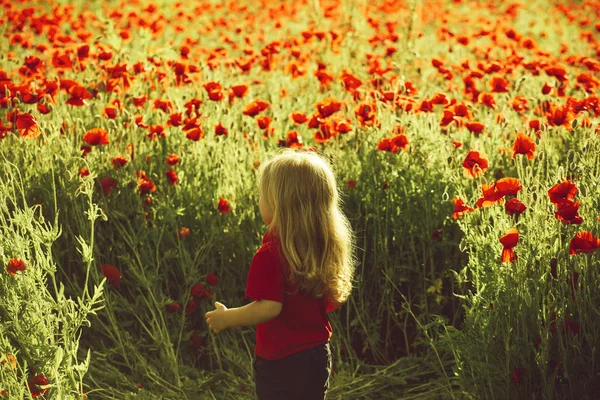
(302,322)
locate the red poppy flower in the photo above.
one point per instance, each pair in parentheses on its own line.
(172,176)
(83,172)
(426,106)
(164,105)
(535,124)
(475,127)
(27,126)
(558,72)
(15,265)
(564,191)
(366,114)
(499,85)
(298,117)
(264,121)
(255,107)
(325,132)
(490,197)
(38,380)
(524,145)
(394,144)
(224,206)
(183,232)
(175,119)
(351,82)
(197,290)
(195,133)
(519,104)
(110,112)
(119,161)
(475,164)
(514,206)
(440,99)
(214,90)
(155,131)
(112,274)
(172,159)
(560,116)
(583,242)
(191,306)
(293,140)
(139,101)
(220,130)
(568,212)
(508,186)
(460,208)
(145,184)
(212,279)
(323,77)
(78,95)
(509,241)
(107,184)
(328,107)
(343,126)
(239,90)
(96,136)
(172,307)
(487,99)
(547,88)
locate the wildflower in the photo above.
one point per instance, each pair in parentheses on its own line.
(172,307)
(38,380)
(568,212)
(255,107)
(119,161)
(524,145)
(460,208)
(172,176)
(509,241)
(172,159)
(27,126)
(583,242)
(224,206)
(112,274)
(96,136)
(514,206)
(563,191)
(212,279)
(475,164)
(15,265)
(107,184)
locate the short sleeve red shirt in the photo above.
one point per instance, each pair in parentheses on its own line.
(302,322)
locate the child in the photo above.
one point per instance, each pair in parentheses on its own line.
(302,271)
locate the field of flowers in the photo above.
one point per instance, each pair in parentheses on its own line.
(464,135)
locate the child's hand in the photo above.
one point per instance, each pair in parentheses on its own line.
(216,319)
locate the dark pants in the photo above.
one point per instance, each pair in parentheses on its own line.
(303,375)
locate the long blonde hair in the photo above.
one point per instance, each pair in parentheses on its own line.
(316,238)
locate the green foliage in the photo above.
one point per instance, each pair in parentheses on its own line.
(41,324)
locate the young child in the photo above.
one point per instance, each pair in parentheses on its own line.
(302,271)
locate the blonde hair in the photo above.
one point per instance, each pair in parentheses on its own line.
(316,238)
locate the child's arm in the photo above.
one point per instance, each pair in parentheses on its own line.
(257,312)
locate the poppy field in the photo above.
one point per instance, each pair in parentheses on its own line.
(464,136)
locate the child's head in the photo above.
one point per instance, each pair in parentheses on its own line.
(300,203)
